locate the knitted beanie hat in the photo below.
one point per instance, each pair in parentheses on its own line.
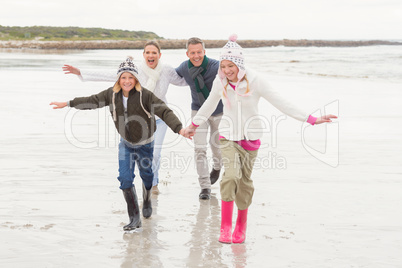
(127,66)
(234,53)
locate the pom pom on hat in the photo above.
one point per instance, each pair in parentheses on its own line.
(233,38)
(234,53)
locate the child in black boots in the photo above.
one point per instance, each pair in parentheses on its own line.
(132,108)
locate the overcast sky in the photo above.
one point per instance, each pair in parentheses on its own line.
(217,19)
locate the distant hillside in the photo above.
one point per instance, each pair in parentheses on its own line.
(71,33)
(44,37)
(181,44)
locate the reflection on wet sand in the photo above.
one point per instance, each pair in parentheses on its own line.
(143,248)
(205,249)
(143,245)
(203,244)
(239,255)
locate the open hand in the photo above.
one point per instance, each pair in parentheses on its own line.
(325,119)
(58,105)
(68,69)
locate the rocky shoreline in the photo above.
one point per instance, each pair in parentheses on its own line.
(180,44)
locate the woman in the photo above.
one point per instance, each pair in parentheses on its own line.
(133,114)
(155,77)
(240,132)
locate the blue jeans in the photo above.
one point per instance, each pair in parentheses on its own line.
(159,135)
(128,156)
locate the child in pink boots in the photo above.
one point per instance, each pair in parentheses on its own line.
(240,132)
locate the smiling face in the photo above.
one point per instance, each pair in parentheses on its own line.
(195,53)
(230,70)
(151,55)
(127,82)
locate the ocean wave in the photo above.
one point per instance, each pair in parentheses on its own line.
(335,75)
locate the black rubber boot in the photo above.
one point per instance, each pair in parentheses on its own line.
(205,194)
(146,205)
(214,176)
(133,209)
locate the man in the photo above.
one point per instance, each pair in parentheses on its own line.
(199,73)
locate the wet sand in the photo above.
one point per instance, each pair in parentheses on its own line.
(61,206)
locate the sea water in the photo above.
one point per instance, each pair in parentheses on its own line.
(368,62)
(361,81)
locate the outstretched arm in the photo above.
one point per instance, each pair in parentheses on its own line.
(95,101)
(86,76)
(58,105)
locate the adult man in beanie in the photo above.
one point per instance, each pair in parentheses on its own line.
(199,72)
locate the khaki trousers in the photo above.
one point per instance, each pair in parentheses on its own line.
(236,183)
(200,148)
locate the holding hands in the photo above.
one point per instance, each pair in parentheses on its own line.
(187,132)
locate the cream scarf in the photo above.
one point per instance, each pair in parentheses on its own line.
(152,74)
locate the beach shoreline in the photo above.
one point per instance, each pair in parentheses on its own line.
(62,206)
(180,43)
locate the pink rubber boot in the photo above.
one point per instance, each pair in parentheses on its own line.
(226,222)
(239,234)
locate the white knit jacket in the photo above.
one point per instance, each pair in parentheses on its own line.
(241,119)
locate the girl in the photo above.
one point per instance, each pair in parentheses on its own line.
(240,90)
(132,112)
(154,76)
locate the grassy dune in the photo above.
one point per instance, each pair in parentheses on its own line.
(43,37)
(177,44)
